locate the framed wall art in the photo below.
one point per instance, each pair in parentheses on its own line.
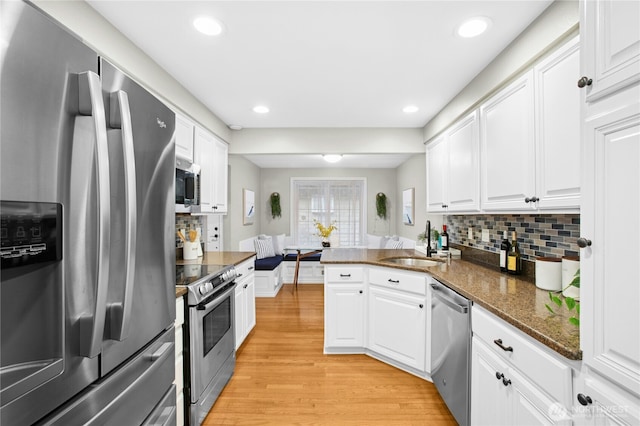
(408,214)
(248,206)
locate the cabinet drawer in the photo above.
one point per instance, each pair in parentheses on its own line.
(245,268)
(351,274)
(405,281)
(545,370)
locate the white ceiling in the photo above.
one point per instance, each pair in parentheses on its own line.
(321,63)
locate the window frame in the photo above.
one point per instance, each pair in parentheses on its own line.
(293,227)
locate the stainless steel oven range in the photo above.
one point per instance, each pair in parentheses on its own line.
(210,337)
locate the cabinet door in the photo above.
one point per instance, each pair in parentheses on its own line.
(437,167)
(507,147)
(609,405)
(220,176)
(490,398)
(397,324)
(239,316)
(250,303)
(344,319)
(184,138)
(532,407)
(610,215)
(204,157)
(463,185)
(611,54)
(558,122)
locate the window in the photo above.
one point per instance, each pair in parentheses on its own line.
(339,201)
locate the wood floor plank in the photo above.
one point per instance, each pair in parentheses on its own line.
(282,376)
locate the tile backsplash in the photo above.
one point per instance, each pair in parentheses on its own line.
(539,235)
(187,222)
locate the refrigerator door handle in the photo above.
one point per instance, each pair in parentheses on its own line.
(90,103)
(120,118)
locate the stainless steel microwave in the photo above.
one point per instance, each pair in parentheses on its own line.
(187,186)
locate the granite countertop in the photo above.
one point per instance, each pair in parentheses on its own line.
(214,258)
(514,299)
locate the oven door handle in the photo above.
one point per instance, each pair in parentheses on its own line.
(209,305)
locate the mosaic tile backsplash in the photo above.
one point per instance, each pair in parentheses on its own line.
(539,235)
(187,222)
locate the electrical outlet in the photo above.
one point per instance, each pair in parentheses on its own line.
(470,233)
(485,236)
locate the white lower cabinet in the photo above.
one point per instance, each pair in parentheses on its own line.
(521,384)
(600,402)
(179,356)
(345,300)
(397,316)
(245,301)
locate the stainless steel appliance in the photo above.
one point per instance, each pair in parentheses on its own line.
(451,349)
(211,334)
(187,186)
(88,258)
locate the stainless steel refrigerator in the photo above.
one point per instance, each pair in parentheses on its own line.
(88,259)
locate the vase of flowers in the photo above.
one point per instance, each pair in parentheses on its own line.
(324,232)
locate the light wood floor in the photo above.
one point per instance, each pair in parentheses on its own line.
(282,377)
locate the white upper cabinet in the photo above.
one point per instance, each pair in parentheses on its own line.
(184,138)
(464,165)
(436,174)
(558,122)
(453,167)
(211,154)
(507,147)
(612,59)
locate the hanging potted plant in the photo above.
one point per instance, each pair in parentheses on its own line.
(274,201)
(381,205)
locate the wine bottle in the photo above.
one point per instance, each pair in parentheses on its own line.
(514,260)
(444,238)
(505,246)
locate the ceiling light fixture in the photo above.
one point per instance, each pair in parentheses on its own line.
(410,109)
(207,25)
(260,109)
(474,27)
(235,127)
(332,158)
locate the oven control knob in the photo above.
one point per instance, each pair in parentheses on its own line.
(203,289)
(209,287)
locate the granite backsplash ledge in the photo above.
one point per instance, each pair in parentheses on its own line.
(539,235)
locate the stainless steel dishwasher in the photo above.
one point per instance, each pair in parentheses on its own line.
(451,349)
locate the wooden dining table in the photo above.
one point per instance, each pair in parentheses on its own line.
(301,253)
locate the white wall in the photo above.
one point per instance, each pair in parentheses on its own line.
(326,141)
(242,174)
(279,180)
(99,34)
(412,174)
(555,25)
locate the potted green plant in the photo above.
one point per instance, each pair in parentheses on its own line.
(324,232)
(570,302)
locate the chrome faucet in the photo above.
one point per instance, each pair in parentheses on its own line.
(427,234)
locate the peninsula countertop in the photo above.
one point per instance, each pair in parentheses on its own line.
(514,299)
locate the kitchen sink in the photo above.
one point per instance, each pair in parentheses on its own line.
(412,261)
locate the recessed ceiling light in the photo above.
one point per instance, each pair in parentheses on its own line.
(235,127)
(332,158)
(474,27)
(207,25)
(409,109)
(260,109)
